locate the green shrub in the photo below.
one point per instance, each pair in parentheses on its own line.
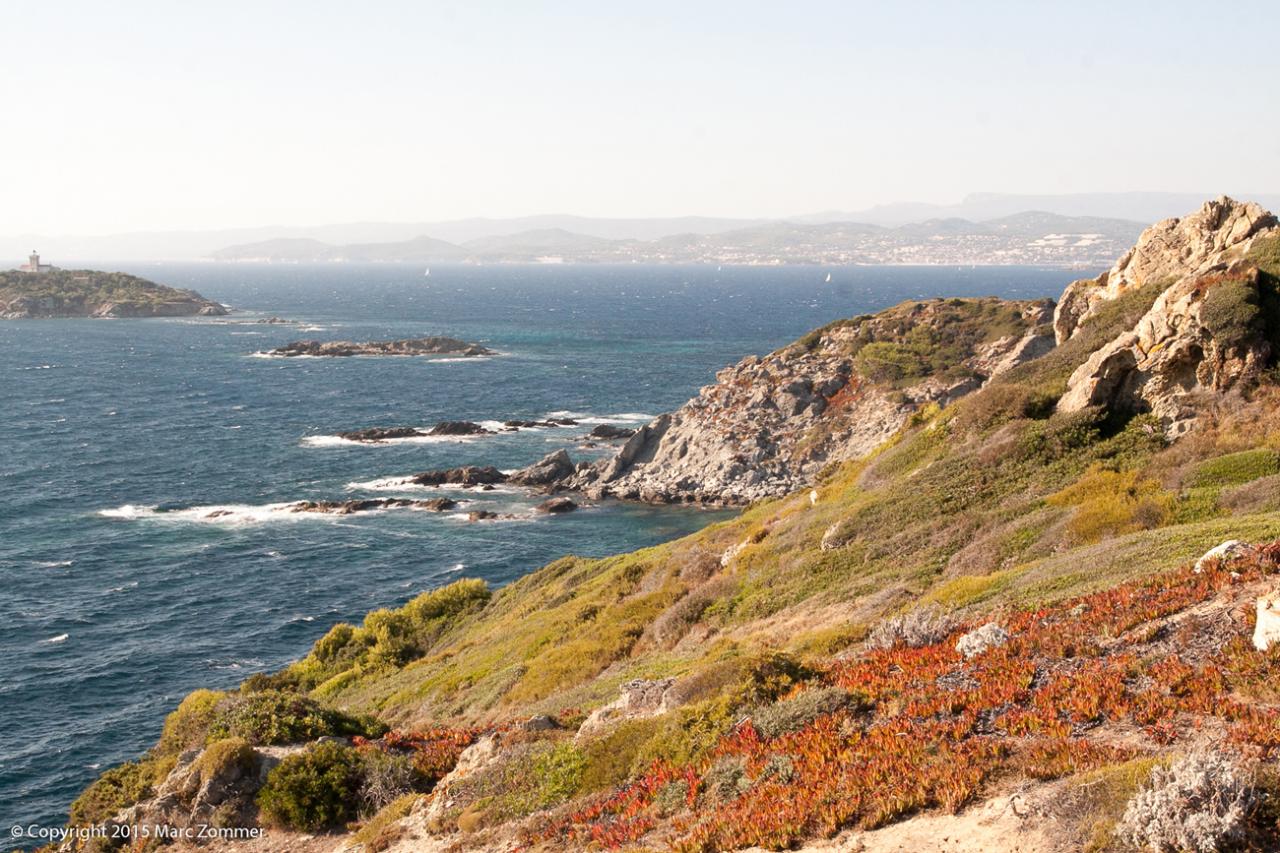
(115,789)
(277,717)
(448,601)
(1236,468)
(1063,434)
(187,727)
(312,790)
(1231,311)
(791,715)
(221,755)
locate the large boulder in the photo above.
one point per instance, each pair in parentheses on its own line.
(548,471)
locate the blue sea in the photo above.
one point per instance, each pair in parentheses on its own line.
(119,437)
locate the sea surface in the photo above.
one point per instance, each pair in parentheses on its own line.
(119,439)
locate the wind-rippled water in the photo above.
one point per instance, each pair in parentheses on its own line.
(119,600)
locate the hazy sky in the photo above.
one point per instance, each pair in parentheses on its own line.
(126,115)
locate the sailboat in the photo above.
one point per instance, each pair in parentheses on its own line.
(426,272)
(828,277)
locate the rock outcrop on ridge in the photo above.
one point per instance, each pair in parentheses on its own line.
(1209,331)
(769,424)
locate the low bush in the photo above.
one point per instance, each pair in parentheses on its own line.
(315,789)
(386,777)
(793,714)
(1198,803)
(1236,468)
(277,717)
(1109,503)
(187,727)
(1231,312)
(221,756)
(923,626)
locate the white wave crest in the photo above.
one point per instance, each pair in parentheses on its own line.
(61,638)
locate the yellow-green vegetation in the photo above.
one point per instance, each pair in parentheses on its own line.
(115,789)
(1234,469)
(1109,503)
(1100,797)
(380,831)
(222,755)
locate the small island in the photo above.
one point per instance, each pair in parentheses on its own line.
(411,346)
(37,290)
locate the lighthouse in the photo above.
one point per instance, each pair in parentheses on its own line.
(33,263)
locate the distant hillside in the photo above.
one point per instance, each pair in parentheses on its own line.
(1032,237)
(91,293)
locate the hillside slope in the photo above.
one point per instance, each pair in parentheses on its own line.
(1001,599)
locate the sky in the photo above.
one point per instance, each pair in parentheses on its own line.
(129,115)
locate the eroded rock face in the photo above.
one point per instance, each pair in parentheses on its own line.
(1205,334)
(769,424)
(1170,250)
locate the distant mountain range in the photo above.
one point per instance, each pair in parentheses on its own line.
(975,209)
(1024,238)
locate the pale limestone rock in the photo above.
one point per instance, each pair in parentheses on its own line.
(1266,632)
(1225,551)
(980,639)
(1171,250)
(1173,358)
(638,699)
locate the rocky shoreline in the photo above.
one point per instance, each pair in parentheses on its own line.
(406,347)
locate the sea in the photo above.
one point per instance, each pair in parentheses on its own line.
(143,549)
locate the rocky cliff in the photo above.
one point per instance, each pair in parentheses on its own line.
(769,424)
(1210,330)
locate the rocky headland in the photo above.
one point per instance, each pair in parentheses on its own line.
(91,293)
(408,347)
(999,588)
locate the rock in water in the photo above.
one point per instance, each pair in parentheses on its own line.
(556,506)
(609,431)
(368,504)
(408,346)
(458,428)
(373,435)
(547,471)
(467,475)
